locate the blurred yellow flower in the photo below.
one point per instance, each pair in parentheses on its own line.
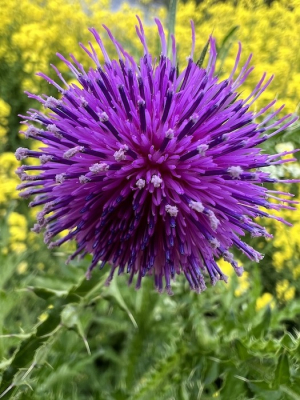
(22,267)
(8,178)
(284,291)
(18,247)
(243,286)
(4,113)
(265,300)
(43,317)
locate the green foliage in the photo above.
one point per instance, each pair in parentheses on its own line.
(115,343)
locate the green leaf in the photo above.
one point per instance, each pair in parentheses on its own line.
(5,363)
(69,316)
(288,341)
(153,380)
(202,55)
(260,329)
(290,391)
(212,373)
(241,350)
(223,50)
(45,293)
(226,38)
(27,350)
(86,287)
(232,385)
(282,372)
(114,292)
(25,353)
(171,24)
(263,391)
(70,319)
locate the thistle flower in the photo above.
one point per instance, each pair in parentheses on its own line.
(152,171)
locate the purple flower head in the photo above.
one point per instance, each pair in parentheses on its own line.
(152,171)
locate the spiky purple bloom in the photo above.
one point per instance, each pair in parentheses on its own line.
(154,172)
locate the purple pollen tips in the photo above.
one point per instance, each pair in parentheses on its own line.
(36,228)
(71,152)
(197,206)
(235,172)
(84,179)
(140,183)
(214,243)
(45,158)
(141,102)
(172,210)
(32,131)
(103,117)
(19,171)
(83,101)
(152,170)
(52,102)
(60,178)
(52,128)
(98,167)
(202,149)
(214,222)
(194,118)
(170,134)
(21,153)
(156,180)
(120,155)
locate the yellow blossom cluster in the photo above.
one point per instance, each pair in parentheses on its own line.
(285,255)
(17,224)
(8,178)
(265,300)
(4,113)
(270,33)
(287,242)
(32,32)
(284,291)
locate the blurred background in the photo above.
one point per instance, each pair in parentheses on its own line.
(64,338)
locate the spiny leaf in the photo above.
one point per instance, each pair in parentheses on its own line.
(25,353)
(228,36)
(115,293)
(282,372)
(288,341)
(263,326)
(151,381)
(171,24)
(45,293)
(202,55)
(241,350)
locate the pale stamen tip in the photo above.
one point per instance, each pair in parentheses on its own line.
(169,134)
(196,205)
(140,183)
(84,179)
(235,172)
(60,178)
(72,152)
(103,116)
(202,148)
(52,102)
(172,210)
(120,155)
(156,180)
(98,167)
